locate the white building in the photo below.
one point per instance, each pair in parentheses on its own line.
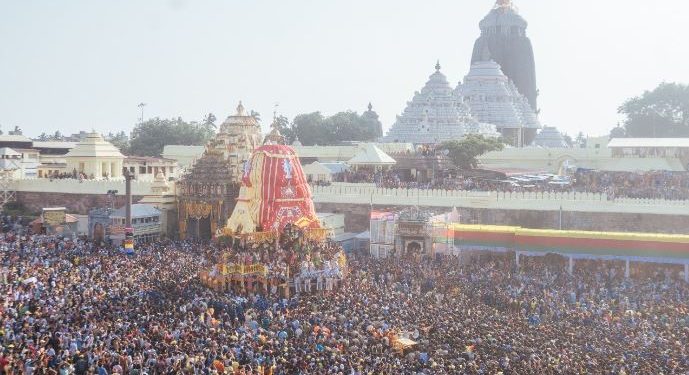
(146,168)
(435,115)
(95,158)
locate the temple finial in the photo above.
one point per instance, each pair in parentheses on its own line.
(370,107)
(437,66)
(240,109)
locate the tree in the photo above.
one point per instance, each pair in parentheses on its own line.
(150,137)
(371,121)
(285,128)
(581,140)
(255,115)
(209,120)
(43,137)
(568,139)
(310,129)
(119,140)
(618,132)
(663,112)
(464,153)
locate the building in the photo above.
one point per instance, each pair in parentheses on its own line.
(492,98)
(145,222)
(550,137)
(677,148)
(435,115)
(95,158)
(503,39)
(146,168)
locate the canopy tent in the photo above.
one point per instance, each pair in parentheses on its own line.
(317,172)
(371,155)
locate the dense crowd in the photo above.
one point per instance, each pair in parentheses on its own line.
(69,307)
(648,185)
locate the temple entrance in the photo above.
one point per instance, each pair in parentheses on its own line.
(98,233)
(413,248)
(199,229)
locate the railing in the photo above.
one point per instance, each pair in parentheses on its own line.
(547,201)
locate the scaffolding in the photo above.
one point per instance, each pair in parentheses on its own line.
(7,194)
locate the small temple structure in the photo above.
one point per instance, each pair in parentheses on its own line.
(493,98)
(435,115)
(208,191)
(550,137)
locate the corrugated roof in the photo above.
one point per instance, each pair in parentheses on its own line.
(648,142)
(138,210)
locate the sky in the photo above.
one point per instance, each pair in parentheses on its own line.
(86,64)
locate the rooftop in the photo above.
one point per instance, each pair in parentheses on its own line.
(94,146)
(138,210)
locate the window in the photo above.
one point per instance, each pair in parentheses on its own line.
(131,170)
(150,169)
(142,170)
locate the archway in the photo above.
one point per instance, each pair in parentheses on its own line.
(98,233)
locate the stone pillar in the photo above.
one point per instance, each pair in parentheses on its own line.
(516,258)
(570,268)
(626,269)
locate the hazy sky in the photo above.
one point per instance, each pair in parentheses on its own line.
(80,65)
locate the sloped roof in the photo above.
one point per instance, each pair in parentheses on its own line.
(54,144)
(6,151)
(94,146)
(370,154)
(336,167)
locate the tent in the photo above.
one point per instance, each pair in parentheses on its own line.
(371,155)
(317,172)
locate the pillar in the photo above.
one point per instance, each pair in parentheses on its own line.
(626,269)
(516,258)
(570,268)
(686,273)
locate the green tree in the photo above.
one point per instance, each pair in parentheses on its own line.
(618,132)
(119,140)
(464,153)
(663,112)
(310,129)
(581,140)
(43,137)
(285,128)
(150,137)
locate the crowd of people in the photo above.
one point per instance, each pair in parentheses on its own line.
(647,185)
(69,307)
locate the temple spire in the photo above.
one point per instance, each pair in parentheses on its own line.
(437,66)
(370,107)
(240,109)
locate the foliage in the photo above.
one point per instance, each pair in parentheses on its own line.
(663,112)
(283,125)
(149,138)
(464,153)
(348,126)
(209,121)
(119,140)
(618,132)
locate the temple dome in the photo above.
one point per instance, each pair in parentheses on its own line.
(239,120)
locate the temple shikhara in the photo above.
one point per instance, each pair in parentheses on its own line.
(209,190)
(435,115)
(498,95)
